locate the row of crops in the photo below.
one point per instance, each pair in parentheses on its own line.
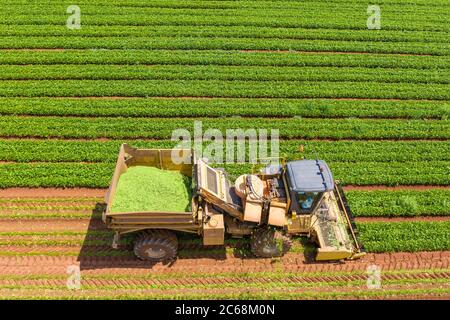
(62,163)
(227,31)
(220,107)
(78,150)
(221,88)
(221,57)
(162,128)
(98,175)
(352,16)
(226,73)
(224,43)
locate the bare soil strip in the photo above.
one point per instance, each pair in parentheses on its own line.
(51,192)
(50,225)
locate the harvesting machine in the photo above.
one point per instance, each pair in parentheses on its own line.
(295,198)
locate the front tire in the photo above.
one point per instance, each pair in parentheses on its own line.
(156,245)
(267,243)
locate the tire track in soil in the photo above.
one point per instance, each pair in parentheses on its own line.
(292,262)
(227,280)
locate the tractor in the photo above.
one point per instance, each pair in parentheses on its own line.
(269,206)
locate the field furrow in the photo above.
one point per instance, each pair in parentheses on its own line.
(98,175)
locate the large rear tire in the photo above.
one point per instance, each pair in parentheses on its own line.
(267,243)
(156,245)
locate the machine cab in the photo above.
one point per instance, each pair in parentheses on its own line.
(308,181)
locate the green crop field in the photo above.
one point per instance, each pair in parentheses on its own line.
(373,103)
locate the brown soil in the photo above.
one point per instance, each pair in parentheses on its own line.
(51,192)
(292,262)
(50,225)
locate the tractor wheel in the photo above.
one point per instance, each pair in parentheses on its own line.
(156,245)
(267,243)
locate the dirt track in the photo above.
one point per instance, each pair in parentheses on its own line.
(210,263)
(50,192)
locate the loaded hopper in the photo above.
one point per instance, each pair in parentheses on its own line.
(158,196)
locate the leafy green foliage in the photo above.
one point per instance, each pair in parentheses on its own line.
(162,128)
(54,150)
(399,203)
(219,43)
(246,73)
(293,16)
(223,31)
(55,175)
(218,88)
(405,236)
(98,175)
(155,107)
(222,57)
